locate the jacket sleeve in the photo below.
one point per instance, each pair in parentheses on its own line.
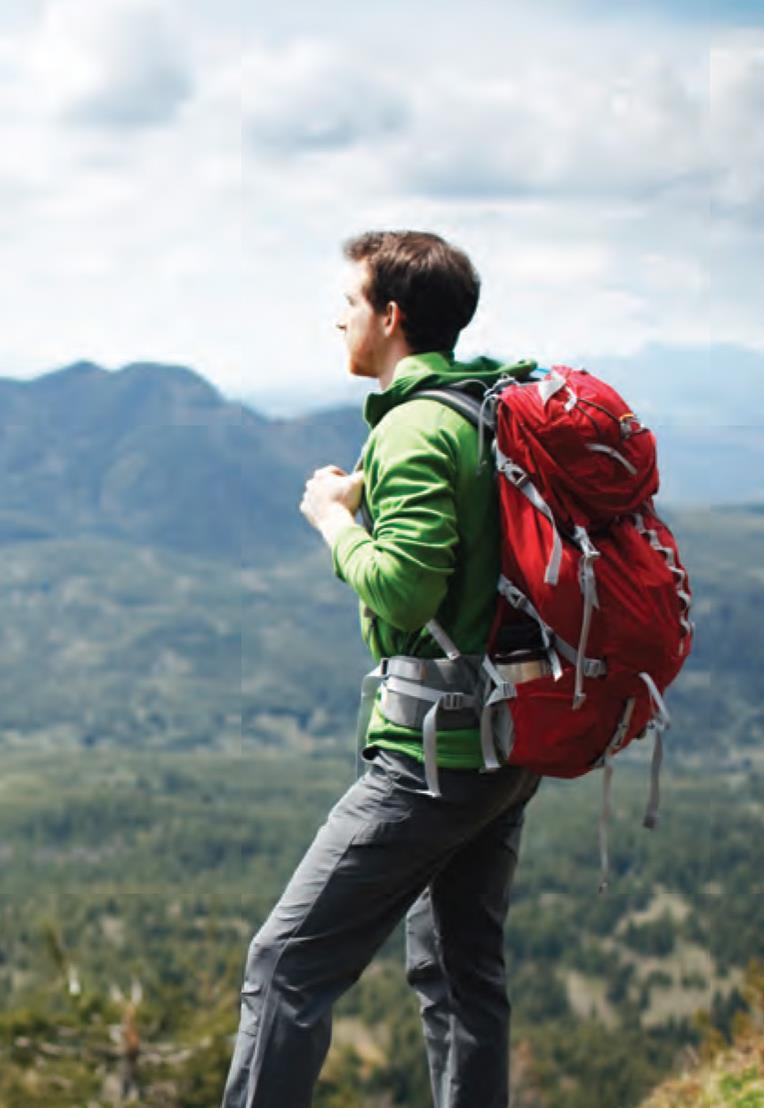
(401,571)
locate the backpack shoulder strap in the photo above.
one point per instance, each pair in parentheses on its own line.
(459,401)
(456,399)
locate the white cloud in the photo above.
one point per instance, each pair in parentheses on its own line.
(737,110)
(117,64)
(546,128)
(309,96)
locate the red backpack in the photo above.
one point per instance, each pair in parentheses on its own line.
(587,561)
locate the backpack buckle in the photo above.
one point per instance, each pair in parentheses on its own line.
(452,701)
(516,474)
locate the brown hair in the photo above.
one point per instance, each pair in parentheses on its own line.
(433,283)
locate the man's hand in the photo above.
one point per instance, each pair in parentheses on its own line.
(331,499)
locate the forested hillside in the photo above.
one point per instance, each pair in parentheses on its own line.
(133,882)
(109,642)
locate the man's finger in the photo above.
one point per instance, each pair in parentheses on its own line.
(330,469)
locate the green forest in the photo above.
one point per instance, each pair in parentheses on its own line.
(132,883)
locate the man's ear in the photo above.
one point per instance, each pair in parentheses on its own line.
(393,319)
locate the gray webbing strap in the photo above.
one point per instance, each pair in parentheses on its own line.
(588,584)
(496,724)
(590,667)
(486,420)
(430,739)
(622,730)
(487,744)
(552,642)
(369,687)
(661,719)
(503,689)
(607,780)
(651,812)
(517,476)
(456,699)
(474,410)
(601,448)
(446,644)
(619,736)
(660,722)
(521,602)
(430,749)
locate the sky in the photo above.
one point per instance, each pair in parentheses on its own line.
(177,176)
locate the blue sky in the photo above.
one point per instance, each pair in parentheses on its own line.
(183,173)
(743,12)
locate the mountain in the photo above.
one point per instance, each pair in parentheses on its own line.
(154,454)
(161,586)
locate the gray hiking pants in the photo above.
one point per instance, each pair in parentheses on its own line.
(388,848)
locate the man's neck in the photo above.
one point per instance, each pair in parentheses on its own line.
(398,350)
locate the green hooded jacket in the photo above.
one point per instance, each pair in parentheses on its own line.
(434,549)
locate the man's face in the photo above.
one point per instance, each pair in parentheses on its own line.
(362,327)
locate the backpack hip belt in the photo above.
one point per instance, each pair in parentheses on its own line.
(448,694)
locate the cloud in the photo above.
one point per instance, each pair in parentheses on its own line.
(737,109)
(550,128)
(630,124)
(117,65)
(308,97)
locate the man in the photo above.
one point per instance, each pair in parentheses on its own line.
(393,846)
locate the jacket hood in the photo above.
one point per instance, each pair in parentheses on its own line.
(433,371)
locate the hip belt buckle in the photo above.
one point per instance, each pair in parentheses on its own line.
(452,701)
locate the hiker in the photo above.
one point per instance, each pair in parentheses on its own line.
(438,841)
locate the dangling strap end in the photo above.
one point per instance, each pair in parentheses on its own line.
(430,749)
(651,813)
(487,747)
(554,661)
(579,696)
(607,778)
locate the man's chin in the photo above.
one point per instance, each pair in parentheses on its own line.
(357,370)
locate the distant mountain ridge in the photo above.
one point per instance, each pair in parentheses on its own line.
(705,404)
(179,574)
(154,454)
